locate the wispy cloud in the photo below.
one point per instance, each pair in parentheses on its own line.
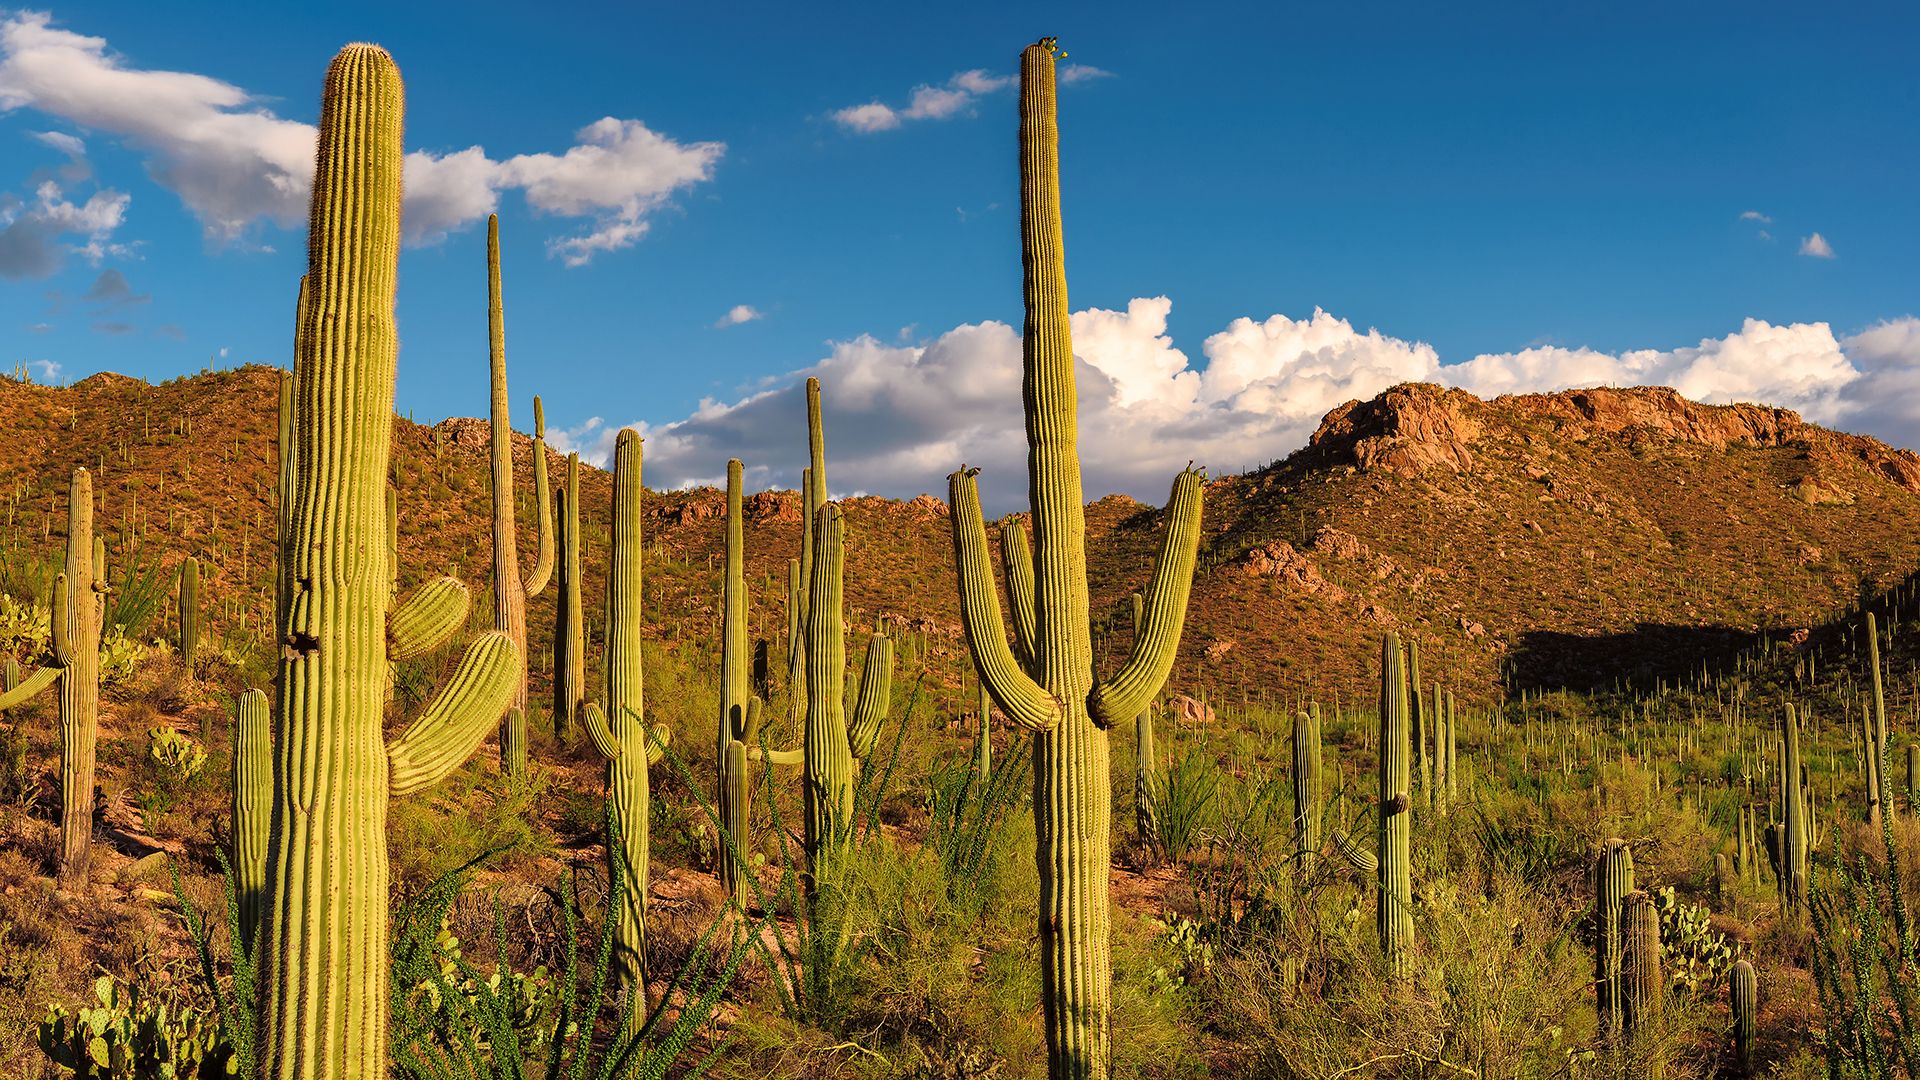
(951,98)
(1755,215)
(37,234)
(737,314)
(1817,247)
(236,164)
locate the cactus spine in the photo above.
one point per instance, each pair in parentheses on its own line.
(1743,992)
(189,600)
(324,1000)
(1641,986)
(1394,832)
(252,809)
(510,596)
(1612,881)
(1306,780)
(1055,693)
(569,631)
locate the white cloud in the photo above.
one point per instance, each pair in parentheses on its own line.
(31,231)
(955,96)
(67,144)
(49,370)
(737,314)
(1755,215)
(236,164)
(1816,246)
(899,417)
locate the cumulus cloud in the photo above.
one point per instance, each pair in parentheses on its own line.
(49,370)
(236,164)
(1816,246)
(36,235)
(900,416)
(955,96)
(737,314)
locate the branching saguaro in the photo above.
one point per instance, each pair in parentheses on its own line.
(1048,685)
(324,1000)
(510,591)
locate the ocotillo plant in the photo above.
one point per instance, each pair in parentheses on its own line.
(324,1001)
(1393,915)
(1641,986)
(510,595)
(620,732)
(734,679)
(79,599)
(569,630)
(1056,693)
(252,810)
(1612,881)
(1306,780)
(841,732)
(1743,991)
(189,607)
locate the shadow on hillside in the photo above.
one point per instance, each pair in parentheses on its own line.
(1637,658)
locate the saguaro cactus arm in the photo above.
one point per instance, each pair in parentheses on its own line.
(1025,701)
(26,689)
(456,720)
(1133,686)
(876,693)
(424,621)
(1017,558)
(594,719)
(543,552)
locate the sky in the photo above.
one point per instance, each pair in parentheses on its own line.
(1269,210)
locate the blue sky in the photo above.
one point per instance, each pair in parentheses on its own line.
(1474,183)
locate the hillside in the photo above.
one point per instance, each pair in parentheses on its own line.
(1560,539)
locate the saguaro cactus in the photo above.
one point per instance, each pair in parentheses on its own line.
(1394,901)
(1146,792)
(569,630)
(734,678)
(79,600)
(1641,985)
(1790,839)
(1876,730)
(1422,720)
(841,732)
(1055,692)
(323,1005)
(189,605)
(1306,780)
(1612,881)
(252,809)
(1743,992)
(510,595)
(620,732)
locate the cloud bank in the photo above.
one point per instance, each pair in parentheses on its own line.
(236,164)
(899,417)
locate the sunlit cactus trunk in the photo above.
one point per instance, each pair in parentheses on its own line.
(1642,988)
(1306,780)
(569,636)
(189,612)
(1612,877)
(1049,684)
(735,675)
(1743,993)
(510,593)
(79,604)
(1146,794)
(324,999)
(252,809)
(1393,915)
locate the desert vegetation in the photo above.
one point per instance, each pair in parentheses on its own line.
(1385,811)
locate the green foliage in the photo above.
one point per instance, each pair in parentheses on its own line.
(968,815)
(1695,956)
(26,627)
(177,755)
(1182,801)
(131,1036)
(133,602)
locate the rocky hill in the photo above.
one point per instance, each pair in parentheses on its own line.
(1550,539)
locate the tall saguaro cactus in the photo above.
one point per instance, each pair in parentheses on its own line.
(620,732)
(1393,915)
(323,1005)
(1743,992)
(841,732)
(1612,882)
(1641,984)
(1876,733)
(1306,780)
(189,607)
(510,594)
(252,809)
(569,631)
(1790,840)
(734,685)
(1052,689)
